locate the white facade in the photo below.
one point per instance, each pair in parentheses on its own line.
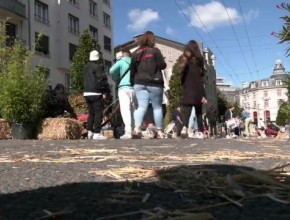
(60,22)
(264,97)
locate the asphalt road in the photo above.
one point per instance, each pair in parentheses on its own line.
(31,170)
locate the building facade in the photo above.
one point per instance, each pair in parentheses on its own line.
(231,93)
(264,97)
(60,24)
(172,50)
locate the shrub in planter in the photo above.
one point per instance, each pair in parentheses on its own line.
(23,91)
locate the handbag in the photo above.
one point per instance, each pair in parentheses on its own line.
(231,124)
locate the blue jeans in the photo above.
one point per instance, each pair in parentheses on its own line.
(193,119)
(144,94)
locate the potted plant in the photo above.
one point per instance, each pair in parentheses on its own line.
(23,92)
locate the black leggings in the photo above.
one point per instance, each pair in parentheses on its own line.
(95,106)
(186,112)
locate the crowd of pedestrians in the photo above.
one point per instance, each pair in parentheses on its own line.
(140,81)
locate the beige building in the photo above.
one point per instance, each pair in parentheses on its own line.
(264,97)
(171,50)
(60,23)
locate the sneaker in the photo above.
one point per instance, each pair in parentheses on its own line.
(137,133)
(126,136)
(160,134)
(90,135)
(184,133)
(200,135)
(228,137)
(192,135)
(98,136)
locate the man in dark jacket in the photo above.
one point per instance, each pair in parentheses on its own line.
(95,89)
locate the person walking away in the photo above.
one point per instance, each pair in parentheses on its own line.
(246,116)
(95,89)
(211,114)
(193,90)
(146,76)
(228,119)
(192,125)
(120,72)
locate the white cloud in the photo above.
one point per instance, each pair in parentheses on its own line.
(215,14)
(169,31)
(140,20)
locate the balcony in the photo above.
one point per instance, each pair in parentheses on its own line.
(13,6)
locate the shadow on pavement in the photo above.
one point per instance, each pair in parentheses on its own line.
(192,189)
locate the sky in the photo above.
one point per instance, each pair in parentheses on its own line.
(237,31)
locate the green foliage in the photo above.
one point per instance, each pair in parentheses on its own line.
(237,111)
(86,44)
(222,103)
(23,90)
(174,93)
(287,84)
(283,114)
(284,34)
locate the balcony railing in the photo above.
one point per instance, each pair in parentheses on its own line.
(13,6)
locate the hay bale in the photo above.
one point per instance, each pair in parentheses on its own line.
(60,129)
(5,130)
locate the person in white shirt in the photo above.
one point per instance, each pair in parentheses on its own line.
(261,124)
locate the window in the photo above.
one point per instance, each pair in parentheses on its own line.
(279,82)
(265,93)
(264,83)
(267,115)
(73,24)
(94,32)
(107,2)
(254,95)
(93,9)
(72,51)
(107,20)
(10,30)
(42,43)
(279,93)
(41,12)
(107,43)
(74,2)
(255,104)
(266,103)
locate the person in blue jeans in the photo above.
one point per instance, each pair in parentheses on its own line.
(146,76)
(192,124)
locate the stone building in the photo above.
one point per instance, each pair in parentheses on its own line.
(60,22)
(231,93)
(264,97)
